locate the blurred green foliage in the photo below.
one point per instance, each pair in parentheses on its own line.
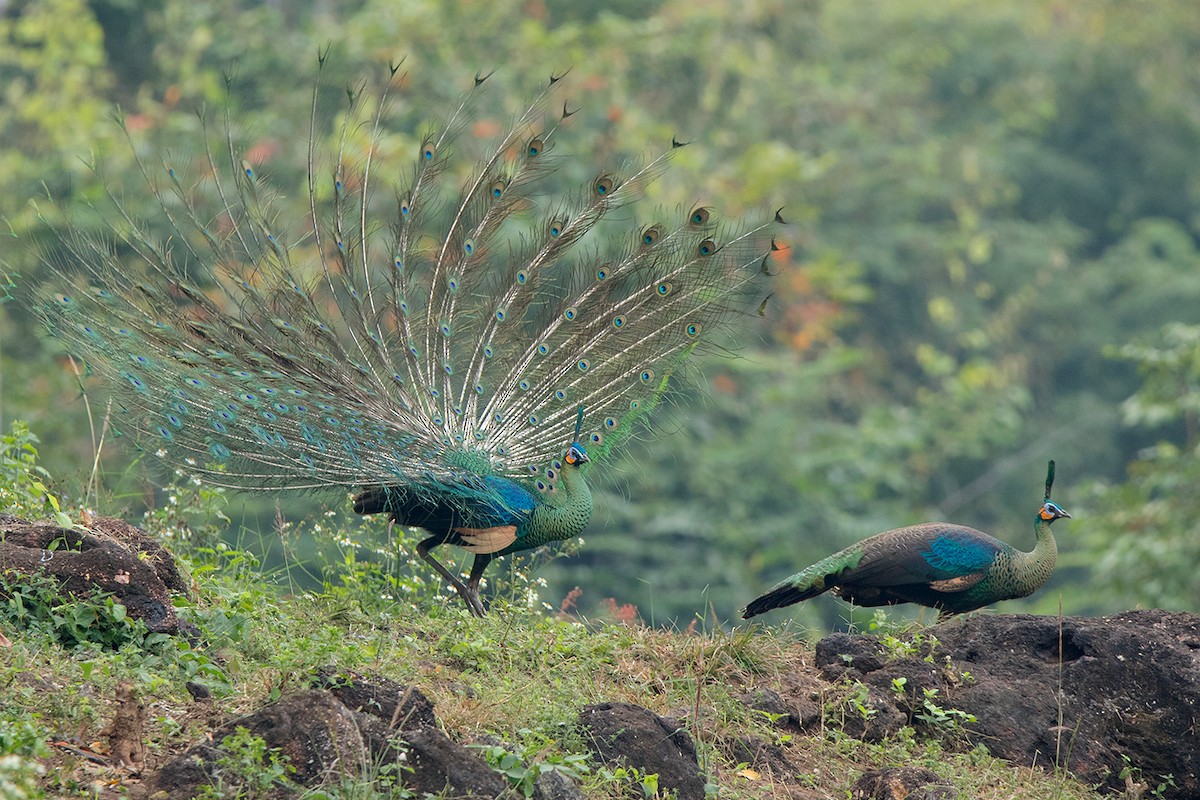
(993,262)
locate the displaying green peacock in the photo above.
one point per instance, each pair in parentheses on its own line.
(456,357)
(949,567)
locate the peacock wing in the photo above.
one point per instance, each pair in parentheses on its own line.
(954,556)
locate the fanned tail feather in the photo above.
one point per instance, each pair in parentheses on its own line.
(422,345)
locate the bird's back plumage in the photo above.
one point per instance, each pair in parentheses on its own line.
(432,346)
(950,567)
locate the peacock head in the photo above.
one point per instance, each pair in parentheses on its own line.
(576,455)
(1050,512)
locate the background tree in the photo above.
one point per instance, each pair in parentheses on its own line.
(989,200)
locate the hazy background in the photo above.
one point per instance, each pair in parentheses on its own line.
(994,255)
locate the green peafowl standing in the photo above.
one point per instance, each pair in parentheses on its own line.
(456,355)
(949,567)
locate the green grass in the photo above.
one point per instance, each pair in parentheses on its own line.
(520,676)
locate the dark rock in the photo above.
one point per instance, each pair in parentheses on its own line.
(328,734)
(314,733)
(1126,686)
(441,765)
(902,783)
(629,734)
(843,655)
(783,714)
(871,719)
(401,707)
(556,786)
(198,691)
(761,755)
(112,557)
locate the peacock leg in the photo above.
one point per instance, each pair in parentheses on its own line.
(477,567)
(469,597)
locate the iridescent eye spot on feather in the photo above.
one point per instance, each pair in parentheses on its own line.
(219,451)
(413,351)
(428,151)
(535,147)
(610,422)
(405,206)
(650,236)
(550,473)
(218,426)
(534,419)
(646,376)
(693,329)
(543,349)
(618,321)
(449,370)
(479,388)
(64,300)
(523,385)
(583,364)
(500,314)
(452,283)
(602,273)
(469,246)
(603,185)
(556,464)
(570,314)
(497,189)
(541,486)
(664,288)
(634,405)
(559,394)
(446,330)
(522,276)
(706,248)
(488,352)
(699,217)
(556,227)
(174,421)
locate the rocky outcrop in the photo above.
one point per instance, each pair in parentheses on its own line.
(350,725)
(1097,696)
(109,557)
(626,734)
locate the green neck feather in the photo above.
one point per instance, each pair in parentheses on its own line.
(1030,570)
